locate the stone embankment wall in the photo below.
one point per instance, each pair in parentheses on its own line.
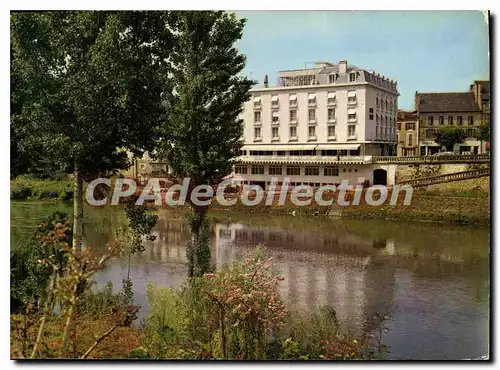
(411,172)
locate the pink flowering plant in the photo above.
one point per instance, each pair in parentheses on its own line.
(245,305)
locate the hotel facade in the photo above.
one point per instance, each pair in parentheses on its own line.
(320,126)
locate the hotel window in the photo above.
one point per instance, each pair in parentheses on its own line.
(293,170)
(352,77)
(399,126)
(331,79)
(376,118)
(331,131)
(470,120)
(431,120)
(275,102)
(241,169)
(293,131)
(351,114)
(386,105)
(293,100)
(410,139)
(331,98)
(351,97)
(370,117)
(312,132)
(312,171)
(256,117)
(256,102)
(386,120)
(275,118)
(450,120)
(257,169)
(311,99)
(351,130)
(256,132)
(275,170)
(331,171)
(441,120)
(312,115)
(293,115)
(376,131)
(410,125)
(331,114)
(378,104)
(460,120)
(275,133)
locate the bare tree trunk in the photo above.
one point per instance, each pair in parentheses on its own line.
(46,312)
(67,327)
(222,333)
(99,340)
(78,211)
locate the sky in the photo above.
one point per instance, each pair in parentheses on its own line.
(425,51)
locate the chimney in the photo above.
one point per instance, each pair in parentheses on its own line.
(343,66)
(417,100)
(266,81)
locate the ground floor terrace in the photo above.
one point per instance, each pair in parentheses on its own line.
(314,175)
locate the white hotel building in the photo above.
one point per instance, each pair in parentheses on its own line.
(320,126)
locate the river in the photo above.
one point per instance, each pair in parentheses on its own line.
(433,280)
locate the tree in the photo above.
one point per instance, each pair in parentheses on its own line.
(448,136)
(87,85)
(484,133)
(202,133)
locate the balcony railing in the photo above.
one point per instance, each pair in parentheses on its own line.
(318,159)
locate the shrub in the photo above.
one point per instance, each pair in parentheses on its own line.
(30,274)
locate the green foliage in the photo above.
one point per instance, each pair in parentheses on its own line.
(202,133)
(165,327)
(29,270)
(26,187)
(140,225)
(484,131)
(448,136)
(105,301)
(87,83)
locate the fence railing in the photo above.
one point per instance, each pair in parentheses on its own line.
(447,177)
(458,158)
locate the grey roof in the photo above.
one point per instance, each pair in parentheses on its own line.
(446,102)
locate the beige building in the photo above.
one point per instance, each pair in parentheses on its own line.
(319,126)
(407,133)
(437,110)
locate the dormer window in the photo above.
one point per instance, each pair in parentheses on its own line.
(352,77)
(331,79)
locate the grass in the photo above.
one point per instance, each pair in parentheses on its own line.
(27,188)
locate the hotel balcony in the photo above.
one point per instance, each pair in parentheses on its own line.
(317,159)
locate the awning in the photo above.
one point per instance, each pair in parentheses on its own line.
(351,94)
(280,147)
(293,97)
(312,96)
(256,99)
(274,98)
(338,147)
(331,95)
(351,111)
(276,114)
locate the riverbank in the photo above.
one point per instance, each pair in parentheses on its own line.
(449,209)
(27,188)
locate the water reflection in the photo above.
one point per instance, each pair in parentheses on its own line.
(432,280)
